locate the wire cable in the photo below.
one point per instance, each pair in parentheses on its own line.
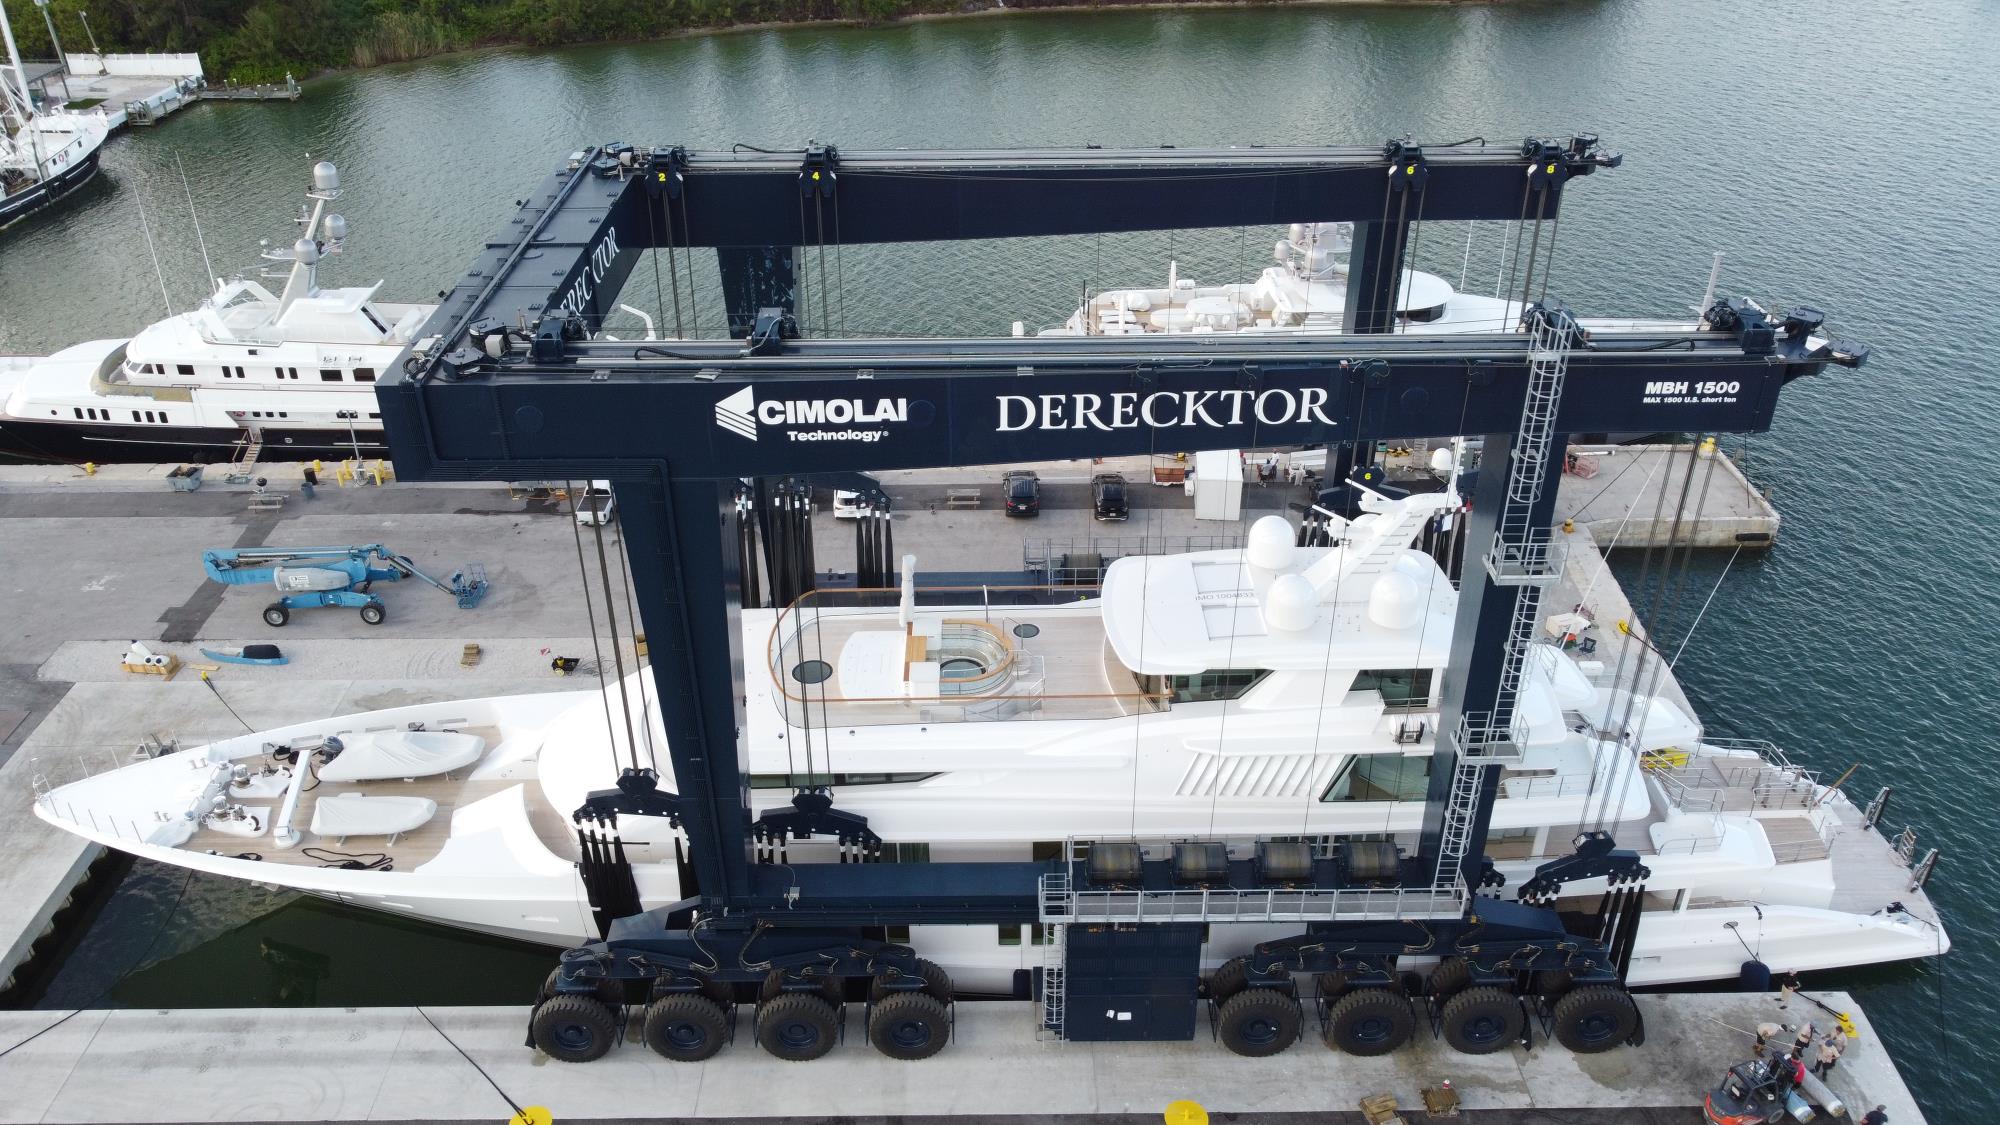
(516,1106)
(137,963)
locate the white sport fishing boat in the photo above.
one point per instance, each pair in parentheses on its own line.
(293,373)
(45,154)
(1224,695)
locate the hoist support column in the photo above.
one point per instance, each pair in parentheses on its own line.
(754,278)
(1374,272)
(689,593)
(1479,642)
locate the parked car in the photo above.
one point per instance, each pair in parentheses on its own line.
(1024,492)
(1107,497)
(597,505)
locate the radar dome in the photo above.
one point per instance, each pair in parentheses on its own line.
(1290,604)
(1396,602)
(305,250)
(1269,546)
(325,176)
(336,227)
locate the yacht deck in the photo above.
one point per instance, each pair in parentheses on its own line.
(1041,663)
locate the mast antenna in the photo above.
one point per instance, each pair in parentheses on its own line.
(152,250)
(200,240)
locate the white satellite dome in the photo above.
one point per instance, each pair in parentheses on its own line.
(1269,546)
(1290,605)
(1397,601)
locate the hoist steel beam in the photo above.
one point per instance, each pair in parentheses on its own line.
(576,237)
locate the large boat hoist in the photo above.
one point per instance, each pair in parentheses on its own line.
(506,384)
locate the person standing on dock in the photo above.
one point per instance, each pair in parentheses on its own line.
(1787,989)
(1765,1033)
(1877,1116)
(1830,1047)
(1800,1044)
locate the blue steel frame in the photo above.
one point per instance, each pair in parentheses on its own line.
(676,426)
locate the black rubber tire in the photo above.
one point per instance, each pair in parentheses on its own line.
(373,613)
(828,988)
(1481,1020)
(276,615)
(1228,979)
(1452,976)
(937,984)
(1334,985)
(797,1026)
(607,991)
(909,1025)
(574,1028)
(686,1026)
(1552,984)
(1258,1022)
(1370,1021)
(1595,1018)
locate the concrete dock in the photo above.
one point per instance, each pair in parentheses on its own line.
(1627,496)
(389,1064)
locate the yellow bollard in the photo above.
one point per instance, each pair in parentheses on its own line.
(343,474)
(89,468)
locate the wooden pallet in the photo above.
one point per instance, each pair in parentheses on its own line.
(165,671)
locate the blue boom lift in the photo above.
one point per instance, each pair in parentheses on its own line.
(322,577)
(678,428)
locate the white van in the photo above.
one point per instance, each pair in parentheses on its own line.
(597,506)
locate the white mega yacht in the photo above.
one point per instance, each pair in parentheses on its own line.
(294,371)
(1223,695)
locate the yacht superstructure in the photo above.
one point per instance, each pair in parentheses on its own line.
(293,372)
(1224,695)
(1304,292)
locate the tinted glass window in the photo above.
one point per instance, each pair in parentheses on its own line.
(1214,684)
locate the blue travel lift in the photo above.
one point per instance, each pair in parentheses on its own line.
(324,577)
(678,430)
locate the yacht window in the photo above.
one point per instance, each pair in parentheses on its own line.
(1381,777)
(799,780)
(374,414)
(373,319)
(329,375)
(284,414)
(364,374)
(1424,316)
(184,369)
(1214,684)
(149,415)
(1400,687)
(163,416)
(78,410)
(135,416)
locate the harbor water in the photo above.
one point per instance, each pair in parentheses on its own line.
(1839,154)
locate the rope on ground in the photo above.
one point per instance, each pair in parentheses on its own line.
(514,1105)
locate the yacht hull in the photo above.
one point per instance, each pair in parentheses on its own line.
(53,190)
(112,444)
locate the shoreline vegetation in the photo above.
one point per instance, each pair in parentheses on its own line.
(267,39)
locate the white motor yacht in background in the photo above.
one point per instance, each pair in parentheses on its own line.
(294,371)
(1227,695)
(45,154)
(1305,292)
